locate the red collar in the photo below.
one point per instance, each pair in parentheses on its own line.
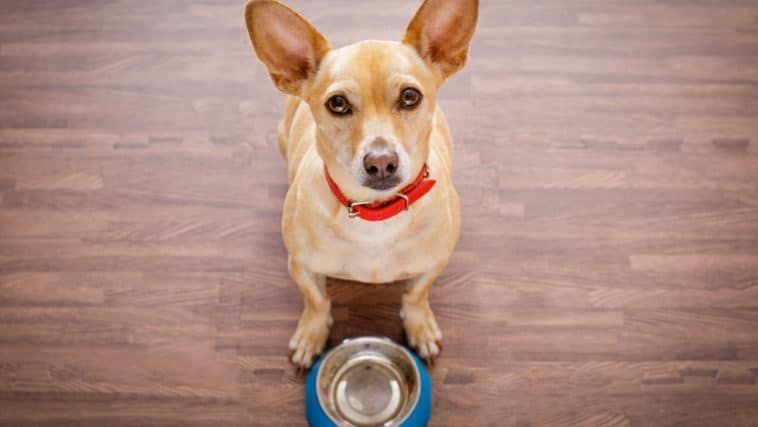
(384,209)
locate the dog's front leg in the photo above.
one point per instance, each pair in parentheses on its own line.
(420,326)
(313,328)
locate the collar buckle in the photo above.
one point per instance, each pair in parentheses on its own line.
(351,212)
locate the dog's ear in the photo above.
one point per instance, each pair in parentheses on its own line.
(289,46)
(441,33)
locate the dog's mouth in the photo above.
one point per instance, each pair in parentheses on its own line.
(382,184)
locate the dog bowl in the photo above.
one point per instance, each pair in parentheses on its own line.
(368,381)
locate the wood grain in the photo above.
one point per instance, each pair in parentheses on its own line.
(606,157)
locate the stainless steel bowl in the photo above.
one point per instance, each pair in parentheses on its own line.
(368,381)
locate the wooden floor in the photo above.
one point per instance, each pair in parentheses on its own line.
(607,162)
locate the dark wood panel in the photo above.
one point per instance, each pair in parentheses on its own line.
(607,272)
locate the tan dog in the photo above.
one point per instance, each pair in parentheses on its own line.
(366,117)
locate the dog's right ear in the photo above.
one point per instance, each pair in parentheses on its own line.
(289,46)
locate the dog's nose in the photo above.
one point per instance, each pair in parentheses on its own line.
(381,164)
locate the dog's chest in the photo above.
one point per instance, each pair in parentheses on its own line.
(375,252)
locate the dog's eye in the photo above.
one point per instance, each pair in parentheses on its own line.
(410,98)
(339,105)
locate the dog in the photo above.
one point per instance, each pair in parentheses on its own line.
(370,197)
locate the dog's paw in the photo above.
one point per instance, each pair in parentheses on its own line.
(421,330)
(309,338)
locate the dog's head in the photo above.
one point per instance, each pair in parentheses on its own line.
(373,102)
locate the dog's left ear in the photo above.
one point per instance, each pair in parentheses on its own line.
(441,33)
